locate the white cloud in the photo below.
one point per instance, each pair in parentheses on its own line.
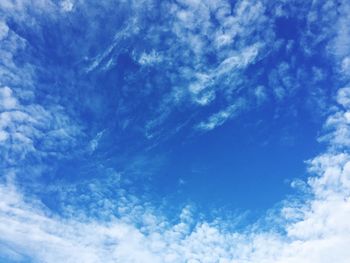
(218,29)
(107,58)
(316,229)
(29,125)
(150,58)
(3,30)
(67,5)
(203,89)
(345,66)
(219,118)
(7,100)
(93,145)
(339,122)
(320,233)
(341,43)
(343,97)
(240,60)
(28,128)
(260,94)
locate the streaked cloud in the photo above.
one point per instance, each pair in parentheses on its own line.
(101,218)
(217,119)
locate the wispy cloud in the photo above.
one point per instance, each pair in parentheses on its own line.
(222,116)
(100,221)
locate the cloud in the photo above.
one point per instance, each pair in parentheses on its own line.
(260,94)
(339,122)
(315,229)
(67,5)
(343,97)
(3,30)
(93,145)
(7,100)
(32,129)
(205,51)
(150,58)
(100,221)
(219,118)
(244,58)
(340,46)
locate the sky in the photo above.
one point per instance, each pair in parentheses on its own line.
(174,131)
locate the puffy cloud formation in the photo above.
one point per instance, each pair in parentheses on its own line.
(314,229)
(38,126)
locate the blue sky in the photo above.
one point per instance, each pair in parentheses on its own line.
(174,131)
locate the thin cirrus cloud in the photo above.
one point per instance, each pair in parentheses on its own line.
(99,220)
(222,116)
